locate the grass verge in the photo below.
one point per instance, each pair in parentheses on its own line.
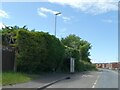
(14,77)
(0,79)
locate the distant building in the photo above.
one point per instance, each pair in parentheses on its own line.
(99,65)
(109,66)
(113,65)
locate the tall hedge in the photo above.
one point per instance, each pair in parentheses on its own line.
(74,53)
(38,51)
(79,64)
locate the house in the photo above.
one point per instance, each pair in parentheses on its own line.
(113,65)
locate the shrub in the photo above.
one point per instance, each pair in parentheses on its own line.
(70,52)
(80,65)
(86,66)
(38,51)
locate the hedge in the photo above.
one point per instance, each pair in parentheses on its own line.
(80,65)
(38,51)
(74,53)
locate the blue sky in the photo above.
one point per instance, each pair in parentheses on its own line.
(96,22)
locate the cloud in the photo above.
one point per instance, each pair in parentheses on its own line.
(66,19)
(3,14)
(48,10)
(43,11)
(42,14)
(90,6)
(107,20)
(2,25)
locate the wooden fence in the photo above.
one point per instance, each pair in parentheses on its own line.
(8,59)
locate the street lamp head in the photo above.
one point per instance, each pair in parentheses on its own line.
(57,13)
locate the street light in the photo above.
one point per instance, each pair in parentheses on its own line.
(58,13)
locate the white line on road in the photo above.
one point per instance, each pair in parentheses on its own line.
(95,82)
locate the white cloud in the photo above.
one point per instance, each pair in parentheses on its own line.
(90,6)
(66,19)
(3,14)
(107,20)
(48,10)
(43,11)
(2,25)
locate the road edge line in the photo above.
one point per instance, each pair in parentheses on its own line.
(95,82)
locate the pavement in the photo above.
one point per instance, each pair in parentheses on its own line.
(42,81)
(93,79)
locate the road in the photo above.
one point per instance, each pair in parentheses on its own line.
(96,79)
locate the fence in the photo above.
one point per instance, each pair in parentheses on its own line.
(8,58)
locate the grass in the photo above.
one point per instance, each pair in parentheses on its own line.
(0,79)
(14,77)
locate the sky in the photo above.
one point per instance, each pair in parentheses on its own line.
(96,22)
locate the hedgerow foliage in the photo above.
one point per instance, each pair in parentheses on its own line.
(71,52)
(39,51)
(80,65)
(78,49)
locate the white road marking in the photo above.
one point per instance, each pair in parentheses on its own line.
(87,76)
(95,82)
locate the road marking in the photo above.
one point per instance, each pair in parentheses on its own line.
(95,82)
(87,76)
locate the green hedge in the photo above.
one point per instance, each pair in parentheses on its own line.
(80,65)
(70,52)
(38,51)
(86,66)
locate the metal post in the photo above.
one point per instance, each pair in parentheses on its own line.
(55,23)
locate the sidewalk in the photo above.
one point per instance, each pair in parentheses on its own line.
(42,81)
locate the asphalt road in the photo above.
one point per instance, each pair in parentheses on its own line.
(96,79)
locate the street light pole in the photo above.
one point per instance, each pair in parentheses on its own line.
(56,21)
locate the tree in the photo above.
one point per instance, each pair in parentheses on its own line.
(77,43)
(9,36)
(71,41)
(84,49)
